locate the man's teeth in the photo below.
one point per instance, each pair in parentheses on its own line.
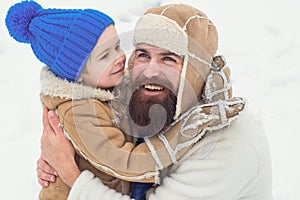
(153,87)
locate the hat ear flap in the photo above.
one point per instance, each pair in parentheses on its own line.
(218,83)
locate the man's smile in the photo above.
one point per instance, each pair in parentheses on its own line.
(152,89)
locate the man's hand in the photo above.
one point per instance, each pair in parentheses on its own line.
(57,150)
(45,172)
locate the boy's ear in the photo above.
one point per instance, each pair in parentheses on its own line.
(80,79)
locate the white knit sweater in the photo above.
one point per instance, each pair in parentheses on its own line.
(230,164)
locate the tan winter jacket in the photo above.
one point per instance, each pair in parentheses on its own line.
(230,162)
(89,122)
(102,148)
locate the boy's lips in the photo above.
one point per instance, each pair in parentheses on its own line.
(118,71)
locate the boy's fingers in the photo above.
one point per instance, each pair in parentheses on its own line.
(43,182)
(45,173)
(44,166)
(46,177)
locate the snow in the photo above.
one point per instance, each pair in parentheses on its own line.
(260,40)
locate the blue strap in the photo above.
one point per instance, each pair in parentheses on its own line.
(139,190)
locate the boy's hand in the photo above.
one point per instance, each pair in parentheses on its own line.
(45,172)
(57,149)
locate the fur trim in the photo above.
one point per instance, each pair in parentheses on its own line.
(56,87)
(146,31)
(181,87)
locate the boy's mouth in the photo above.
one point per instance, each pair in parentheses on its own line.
(118,71)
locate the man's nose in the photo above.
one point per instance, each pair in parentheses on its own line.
(151,70)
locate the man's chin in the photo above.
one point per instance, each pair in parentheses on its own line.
(151,113)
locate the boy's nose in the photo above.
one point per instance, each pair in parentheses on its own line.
(120,60)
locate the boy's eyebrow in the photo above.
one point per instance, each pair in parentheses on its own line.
(118,42)
(98,54)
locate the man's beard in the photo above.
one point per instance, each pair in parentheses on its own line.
(151,114)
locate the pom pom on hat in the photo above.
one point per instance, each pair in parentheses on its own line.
(18,19)
(60,38)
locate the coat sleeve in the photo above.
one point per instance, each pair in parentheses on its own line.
(87,187)
(88,124)
(223,173)
(233,163)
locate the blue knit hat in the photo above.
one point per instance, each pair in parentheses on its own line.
(61,38)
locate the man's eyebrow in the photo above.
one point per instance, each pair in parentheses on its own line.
(142,50)
(169,54)
(161,54)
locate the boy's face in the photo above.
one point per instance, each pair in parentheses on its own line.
(105,66)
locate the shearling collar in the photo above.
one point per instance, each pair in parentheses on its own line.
(56,87)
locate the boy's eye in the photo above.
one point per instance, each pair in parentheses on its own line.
(104,56)
(117,48)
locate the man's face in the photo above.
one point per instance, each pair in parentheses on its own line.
(155,77)
(156,64)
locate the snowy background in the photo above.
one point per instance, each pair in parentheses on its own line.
(259,38)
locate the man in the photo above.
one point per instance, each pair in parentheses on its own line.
(228,163)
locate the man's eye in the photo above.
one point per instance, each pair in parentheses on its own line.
(117,48)
(143,55)
(104,56)
(170,59)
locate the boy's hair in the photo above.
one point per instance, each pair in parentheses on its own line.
(61,38)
